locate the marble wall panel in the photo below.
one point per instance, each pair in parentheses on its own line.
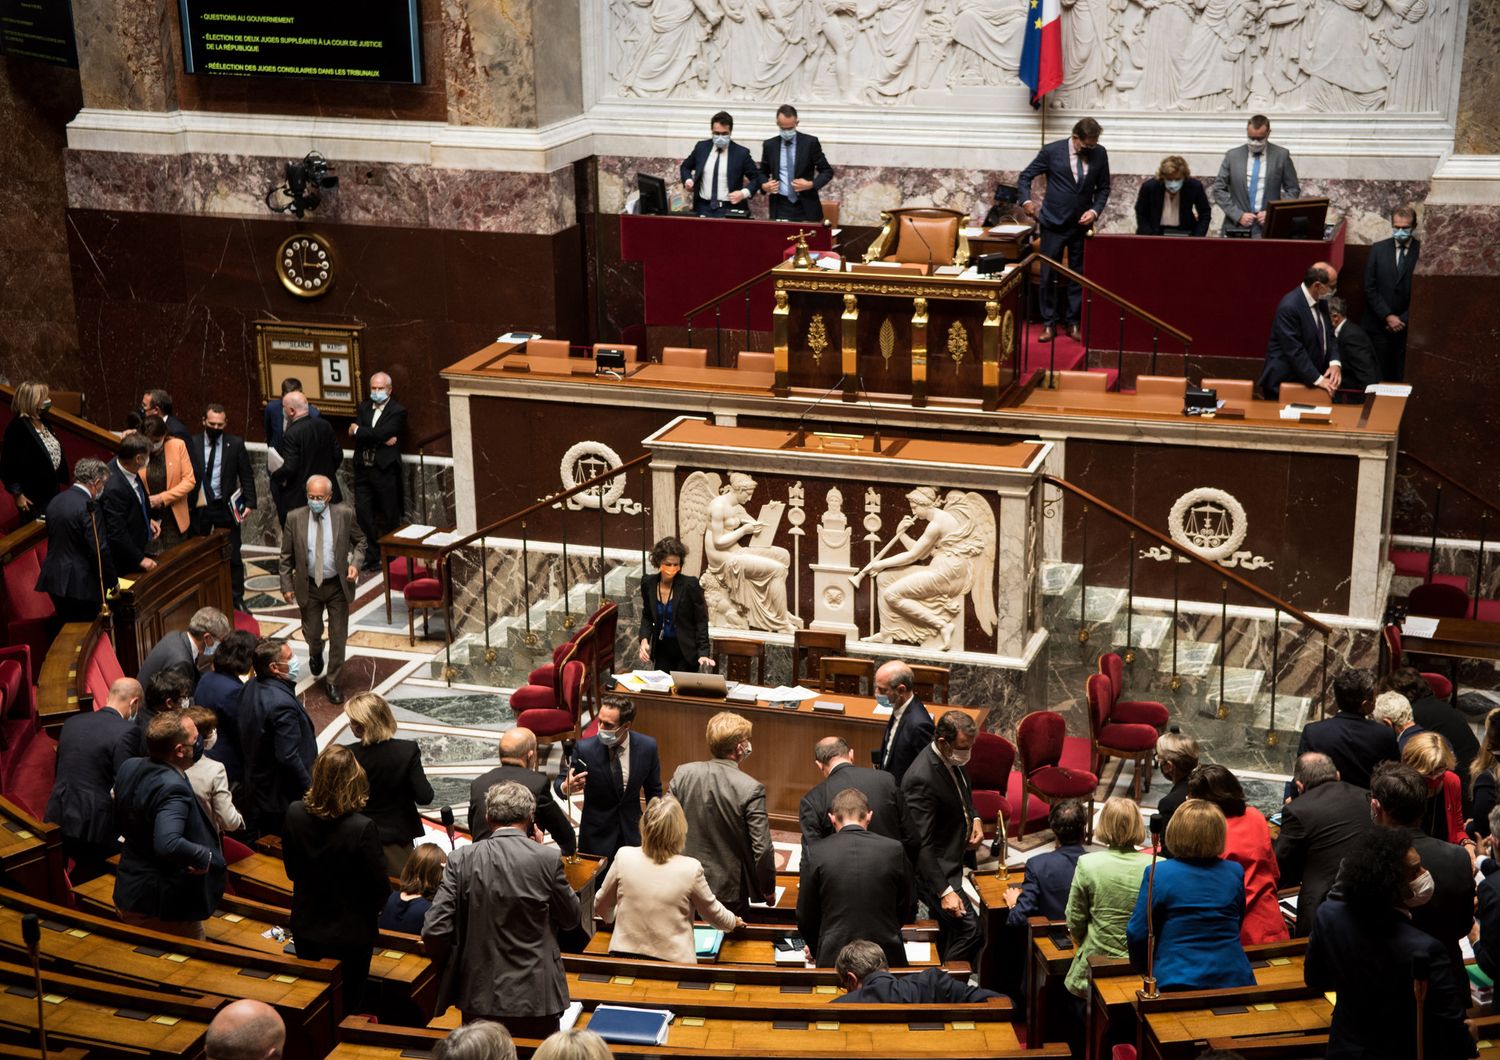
(129,52)
(488,55)
(1478,127)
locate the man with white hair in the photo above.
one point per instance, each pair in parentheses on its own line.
(195,645)
(376,432)
(246,1030)
(1394,709)
(321,553)
(308,447)
(78,564)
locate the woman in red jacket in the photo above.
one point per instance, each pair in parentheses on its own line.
(1429,754)
(1248,843)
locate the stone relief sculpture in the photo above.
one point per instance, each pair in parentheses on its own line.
(924,603)
(743,574)
(1341,56)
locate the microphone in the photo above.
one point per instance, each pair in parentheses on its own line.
(873,414)
(447,815)
(1000,848)
(926,244)
(31,934)
(1148,984)
(801,435)
(1420,973)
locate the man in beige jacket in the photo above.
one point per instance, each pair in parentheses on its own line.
(324,584)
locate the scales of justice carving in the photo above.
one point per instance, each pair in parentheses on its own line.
(917,593)
(1340,56)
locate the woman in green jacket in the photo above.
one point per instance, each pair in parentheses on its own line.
(1105,886)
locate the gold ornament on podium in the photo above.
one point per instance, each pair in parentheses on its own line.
(803,259)
(817,338)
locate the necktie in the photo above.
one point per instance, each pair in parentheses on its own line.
(318,551)
(1079,156)
(208,471)
(1255,185)
(789,167)
(140,492)
(616,772)
(713,181)
(1400,257)
(1322,335)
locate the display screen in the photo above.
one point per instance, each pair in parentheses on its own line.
(372,40)
(38,29)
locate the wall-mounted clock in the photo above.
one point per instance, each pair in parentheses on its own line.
(305,264)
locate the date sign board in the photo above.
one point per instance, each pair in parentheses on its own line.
(324,358)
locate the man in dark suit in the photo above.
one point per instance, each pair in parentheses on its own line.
(1172,201)
(126,506)
(276,736)
(171,873)
(862,972)
(308,447)
(273,417)
(728,830)
(379,423)
(1302,347)
(909,729)
(1359,364)
(1388,273)
(720,173)
(1318,829)
(194,646)
(1355,741)
(159,403)
(1077,172)
(78,566)
(321,551)
(793,170)
(221,465)
(493,920)
(1436,715)
(836,762)
(946,832)
(1251,175)
(1365,951)
(518,760)
(855,885)
(612,769)
(1398,797)
(91,748)
(1045,884)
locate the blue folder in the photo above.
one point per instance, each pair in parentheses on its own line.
(630,1026)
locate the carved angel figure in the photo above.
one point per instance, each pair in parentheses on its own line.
(924,604)
(744,584)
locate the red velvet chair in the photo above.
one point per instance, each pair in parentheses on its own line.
(28,614)
(424,595)
(989,776)
(404,570)
(1114,739)
(545,675)
(1441,686)
(1040,739)
(10,515)
(555,723)
(1130,711)
(18,720)
(536,696)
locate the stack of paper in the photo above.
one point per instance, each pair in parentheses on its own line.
(443,539)
(1296,412)
(775,898)
(414,532)
(645,681)
(1389,389)
(789,694)
(918,952)
(1417,626)
(1010,230)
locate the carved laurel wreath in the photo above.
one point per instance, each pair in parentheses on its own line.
(1239,526)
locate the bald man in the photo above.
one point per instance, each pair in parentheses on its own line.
(518,761)
(378,425)
(308,447)
(322,550)
(246,1030)
(1302,347)
(90,750)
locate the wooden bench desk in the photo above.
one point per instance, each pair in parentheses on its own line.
(31,852)
(758,952)
(748,1000)
(1181,1033)
(264,878)
(1046,964)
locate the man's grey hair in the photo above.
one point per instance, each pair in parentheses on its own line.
(1314,768)
(1337,305)
(509,803)
(212,621)
(1494,822)
(1392,708)
(861,959)
(829,748)
(90,471)
(480,1040)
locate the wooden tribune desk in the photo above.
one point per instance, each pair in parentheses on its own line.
(188,576)
(898,332)
(785,736)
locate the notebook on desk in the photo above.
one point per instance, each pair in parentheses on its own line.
(631,1026)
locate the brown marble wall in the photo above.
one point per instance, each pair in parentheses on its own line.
(38,336)
(1478,128)
(172,300)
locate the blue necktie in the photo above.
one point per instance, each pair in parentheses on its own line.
(789,167)
(1255,185)
(140,493)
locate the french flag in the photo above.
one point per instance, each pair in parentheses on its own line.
(1041,52)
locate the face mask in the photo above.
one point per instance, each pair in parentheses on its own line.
(214,433)
(1174,186)
(788,135)
(1401,235)
(317,507)
(208,744)
(610,737)
(294,670)
(379,396)
(744,754)
(1325,295)
(48,403)
(1085,153)
(1421,891)
(209,649)
(721,141)
(884,703)
(960,758)
(1257,146)
(158,447)
(198,746)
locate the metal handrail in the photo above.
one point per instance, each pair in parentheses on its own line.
(1134,310)
(1449,479)
(1163,539)
(716,299)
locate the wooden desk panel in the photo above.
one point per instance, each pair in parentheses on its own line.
(187,577)
(1383,421)
(786,738)
(31,852)
(738,951)
(1458,638)
(1180,1035)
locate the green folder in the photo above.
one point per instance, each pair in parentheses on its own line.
(707,940)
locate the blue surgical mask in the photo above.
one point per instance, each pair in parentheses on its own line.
(1401,234)
(788,135)
(884,703)
(720,141)
(317,507)
(1174,186)
(379,396)
(610,737)
(198,748)
(209,649)
(294,670)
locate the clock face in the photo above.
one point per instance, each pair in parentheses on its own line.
(305,265)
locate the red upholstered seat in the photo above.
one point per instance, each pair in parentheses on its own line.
(553,722)
(1487,610)
(544,720)
(1062,783)
(531,698)
(18,721)
(1128,737)
(1037,808)
(10,515)
(423,589)
(1040,739)
(989,774)
(28,613)
(1140,712)
(247,622)
(1396,649)
(1112,740)
(403,570)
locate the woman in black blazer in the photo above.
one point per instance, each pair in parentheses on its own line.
(32,464)
(394,768)
(1172,186)
(674,615)
(337,868)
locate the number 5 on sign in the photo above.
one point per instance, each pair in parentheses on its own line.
(335,371)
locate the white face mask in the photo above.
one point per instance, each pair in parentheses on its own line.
(745,749)
(208,744)
(1256,146)
(960,758)
(610,737)
(1422,889)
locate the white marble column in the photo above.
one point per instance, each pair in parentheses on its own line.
(1014,577)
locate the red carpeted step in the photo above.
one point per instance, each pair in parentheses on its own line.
(1410,563)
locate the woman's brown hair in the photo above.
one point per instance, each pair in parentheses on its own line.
(339,786)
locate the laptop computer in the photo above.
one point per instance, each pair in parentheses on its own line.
(709,686)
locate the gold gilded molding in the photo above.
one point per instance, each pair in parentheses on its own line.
(817,338)
(958,342)
(1008,333)
(923,287)
(849,333)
